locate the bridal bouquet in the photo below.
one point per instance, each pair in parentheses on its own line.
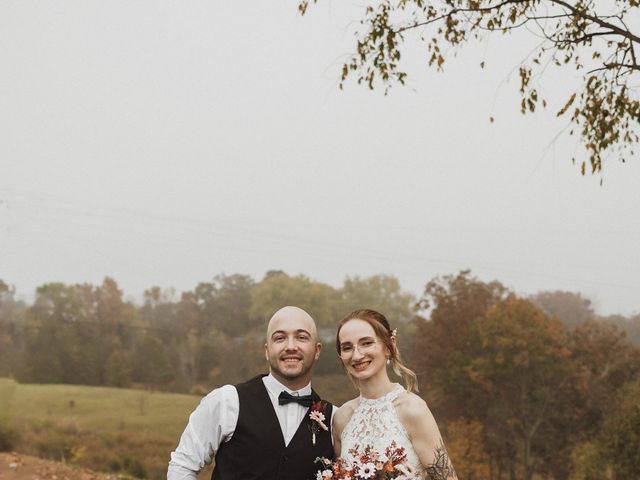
(367,464)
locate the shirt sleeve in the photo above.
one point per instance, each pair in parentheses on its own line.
(212,422)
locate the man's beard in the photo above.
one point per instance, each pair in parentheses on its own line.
(291,375)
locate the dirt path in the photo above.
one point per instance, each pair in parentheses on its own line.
(15,466)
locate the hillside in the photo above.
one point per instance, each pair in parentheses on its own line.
(105,429)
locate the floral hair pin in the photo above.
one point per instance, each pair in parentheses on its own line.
(317,419)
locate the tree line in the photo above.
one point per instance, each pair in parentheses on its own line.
(213,334)
(536,387)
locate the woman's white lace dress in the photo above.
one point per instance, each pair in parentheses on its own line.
(375,423)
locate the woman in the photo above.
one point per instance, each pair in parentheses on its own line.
(384,412)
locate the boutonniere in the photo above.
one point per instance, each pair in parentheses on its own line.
(317,419)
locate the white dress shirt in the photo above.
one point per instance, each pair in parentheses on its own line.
(214,421)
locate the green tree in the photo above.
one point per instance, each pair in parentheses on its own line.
(187,339)
(118,369)
(115,320)
(12,335)
(159,312)
(621,435)
(50,325)
(605,361)
(225,304)
(598,39)
(277,290)
(152,361)
(588,462)
(72,332)
(378,292)
(612,454)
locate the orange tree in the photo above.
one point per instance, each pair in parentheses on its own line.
(523,373)
(442,346)
(486,356)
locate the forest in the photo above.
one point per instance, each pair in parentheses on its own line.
(527,387)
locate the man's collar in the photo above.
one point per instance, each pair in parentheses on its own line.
(275,387)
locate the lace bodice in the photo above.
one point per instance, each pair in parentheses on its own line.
(375,423)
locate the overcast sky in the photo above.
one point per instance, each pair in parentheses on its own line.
(163,142)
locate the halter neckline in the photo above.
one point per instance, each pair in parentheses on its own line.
(386,398)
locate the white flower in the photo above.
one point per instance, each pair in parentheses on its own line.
(318,417)
(367,470)
(324,475)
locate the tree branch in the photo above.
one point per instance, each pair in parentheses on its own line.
(587,37)
(614,29)
(599,21)
(460,10)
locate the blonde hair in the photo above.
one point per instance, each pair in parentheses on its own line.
(383,331)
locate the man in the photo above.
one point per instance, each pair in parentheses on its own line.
(261,429)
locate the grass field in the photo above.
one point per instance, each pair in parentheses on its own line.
(109,429)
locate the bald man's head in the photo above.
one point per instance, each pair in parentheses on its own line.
(292,346)
(292,315)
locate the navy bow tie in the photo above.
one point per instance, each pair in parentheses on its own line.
(286,397)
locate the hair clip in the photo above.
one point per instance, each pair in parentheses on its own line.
(394,332)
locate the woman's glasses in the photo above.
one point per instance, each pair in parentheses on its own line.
(363,346)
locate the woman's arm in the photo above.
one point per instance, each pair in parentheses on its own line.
(339,422)
(340,419)
(425,438)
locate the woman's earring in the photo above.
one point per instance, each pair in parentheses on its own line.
(388,360)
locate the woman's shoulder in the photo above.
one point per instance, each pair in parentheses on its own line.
(343,414)
(348,407)
(411,408)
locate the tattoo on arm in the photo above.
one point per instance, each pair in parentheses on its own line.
(441,468)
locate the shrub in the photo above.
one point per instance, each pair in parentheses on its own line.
(134,467)
(56,447)
(8,438)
